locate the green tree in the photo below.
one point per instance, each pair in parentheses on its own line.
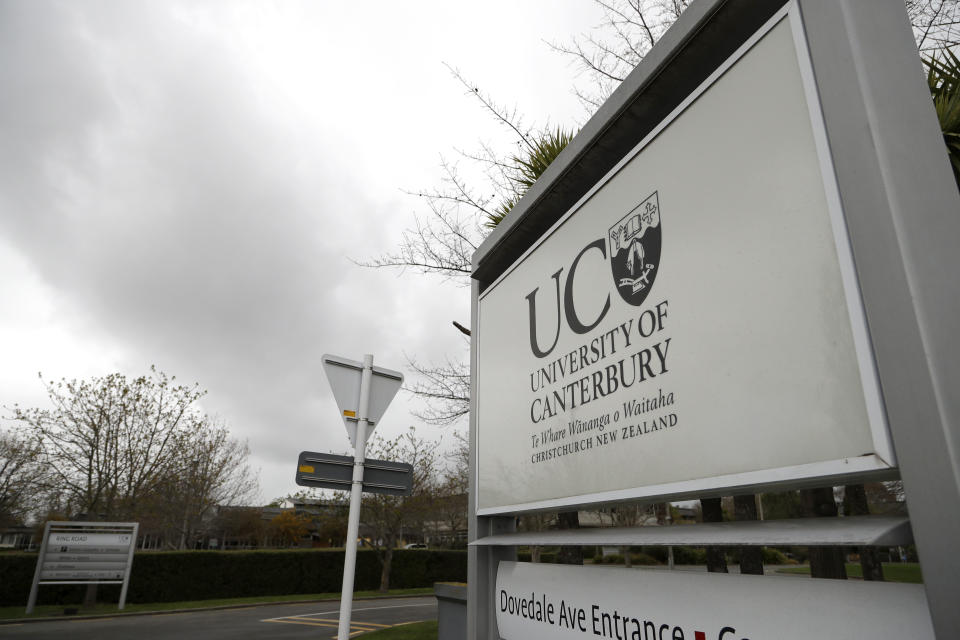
(332,529)
(239,526)
(288,528)
(122,448)
(22,477)
(109,439)
(781,505)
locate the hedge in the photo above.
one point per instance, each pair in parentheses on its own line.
(689,556)
(546,557)
(171,576)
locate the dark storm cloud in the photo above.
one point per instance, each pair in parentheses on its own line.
(154,183)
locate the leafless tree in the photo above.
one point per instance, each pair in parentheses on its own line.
(211,470)
(936,24)
(449,508)
(442,239)
(455,219)
(628,514)
(630,28)
(612,49)
(387,516)
(445,387)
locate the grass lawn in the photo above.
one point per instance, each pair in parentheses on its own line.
(892,571)
(110,608)
(413,631)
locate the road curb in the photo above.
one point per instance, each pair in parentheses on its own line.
(246,605)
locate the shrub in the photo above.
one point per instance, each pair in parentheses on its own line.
(689,555)
(774,556)
(170,576)
(643,559)
(546,557)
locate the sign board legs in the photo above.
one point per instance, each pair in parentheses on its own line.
(353,523)
(32,600)
(87,553)
(126,581)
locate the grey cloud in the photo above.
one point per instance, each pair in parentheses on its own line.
(158,187)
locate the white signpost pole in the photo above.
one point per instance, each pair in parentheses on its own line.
(353,524)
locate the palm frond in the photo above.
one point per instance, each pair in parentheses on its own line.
(943,79)
(527,167)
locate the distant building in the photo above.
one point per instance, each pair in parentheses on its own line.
(19,538)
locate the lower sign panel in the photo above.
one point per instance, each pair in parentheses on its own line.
(81,575)
(86,566)
(536,601)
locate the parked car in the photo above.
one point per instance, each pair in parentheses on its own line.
(416,545)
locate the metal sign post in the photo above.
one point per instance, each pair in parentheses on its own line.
(353,523)
(361,406)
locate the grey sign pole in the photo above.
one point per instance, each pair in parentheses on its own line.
(353,522)
(363,393)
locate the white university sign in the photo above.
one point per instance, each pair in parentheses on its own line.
(694,321)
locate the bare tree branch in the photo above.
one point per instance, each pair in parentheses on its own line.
(445,387)
(936,23)
(507,117)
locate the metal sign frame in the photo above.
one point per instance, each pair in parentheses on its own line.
(879,462)
(895,189)
(79,551)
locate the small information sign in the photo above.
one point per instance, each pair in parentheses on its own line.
(85,553)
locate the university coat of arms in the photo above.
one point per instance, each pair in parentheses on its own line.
(635,250)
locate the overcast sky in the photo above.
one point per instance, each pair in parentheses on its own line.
(184,184)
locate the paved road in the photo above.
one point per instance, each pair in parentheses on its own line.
(293,621)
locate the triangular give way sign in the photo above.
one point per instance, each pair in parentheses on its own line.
(344,376)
